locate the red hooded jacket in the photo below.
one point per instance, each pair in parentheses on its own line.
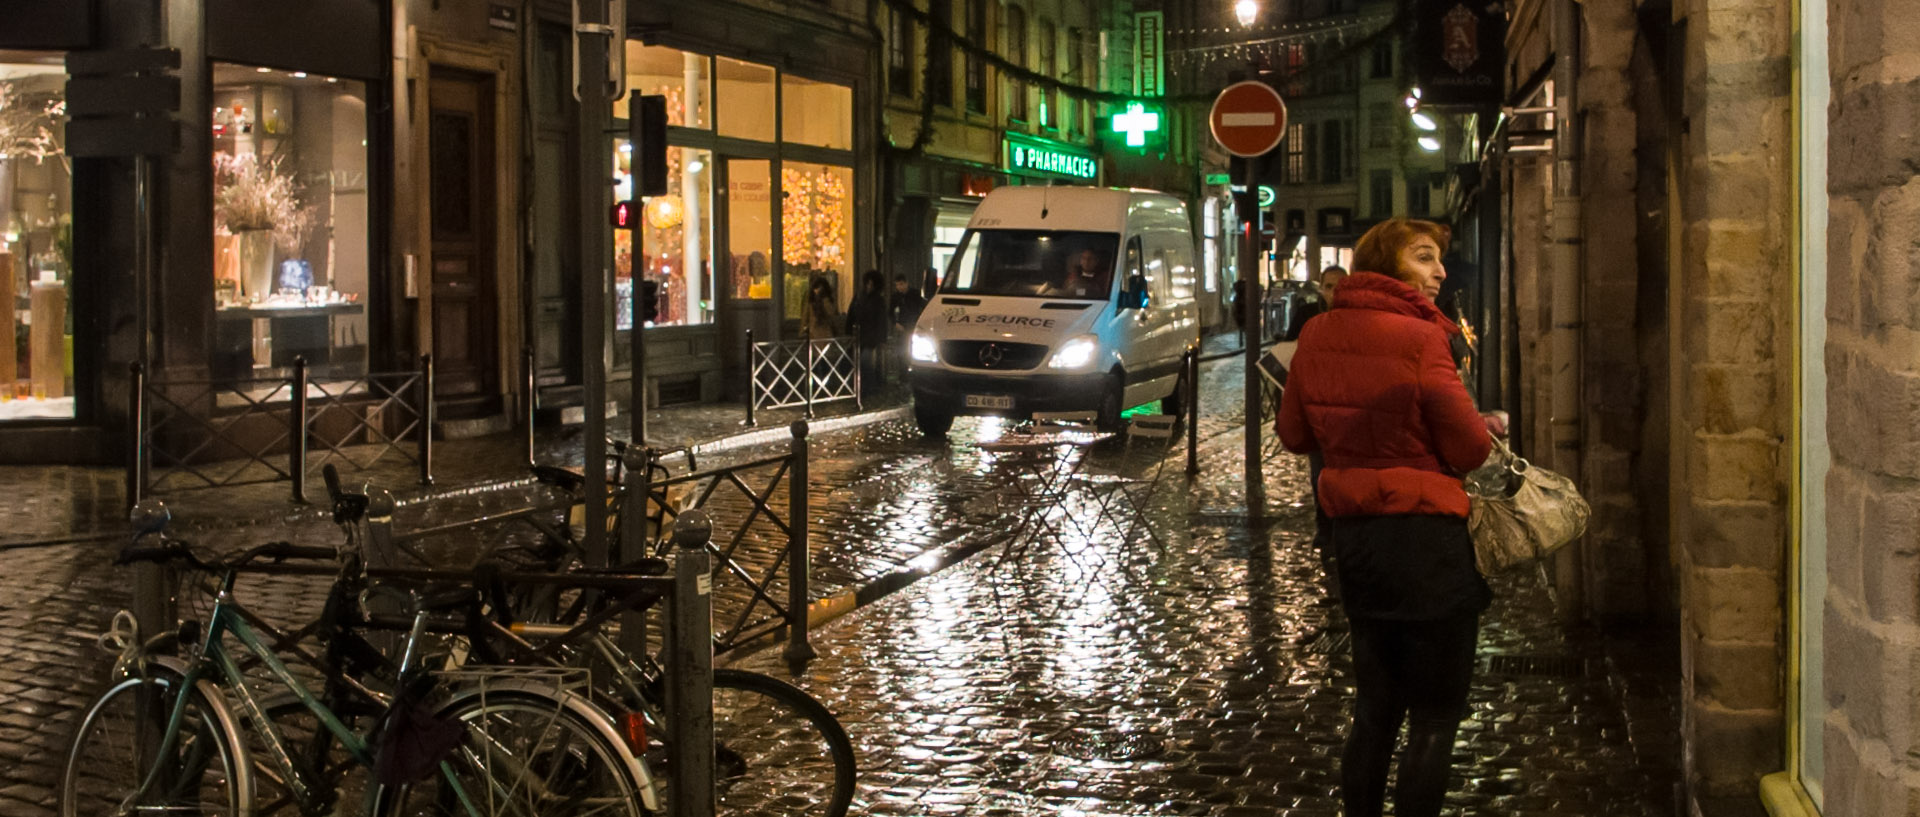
(1373,388)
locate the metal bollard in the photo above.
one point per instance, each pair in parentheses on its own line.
(381,551)
(636,532)
(799,559)
(429,414)
(137,439)
(859,362)
(531,385)
(1193,410)
(753,378)
(1256,486)
(297,431)
(689,678)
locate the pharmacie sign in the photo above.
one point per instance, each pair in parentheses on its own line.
(1026,154)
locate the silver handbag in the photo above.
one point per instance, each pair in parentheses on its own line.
(1520,511)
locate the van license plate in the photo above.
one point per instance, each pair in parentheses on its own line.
(989,401)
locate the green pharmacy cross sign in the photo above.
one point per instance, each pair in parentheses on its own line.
(1033,155)
(1136,123)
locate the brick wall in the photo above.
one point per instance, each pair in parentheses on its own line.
(1734,283)
(1872,629)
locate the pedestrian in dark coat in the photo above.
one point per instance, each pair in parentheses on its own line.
(868,320)
(1373,388)
(907,306)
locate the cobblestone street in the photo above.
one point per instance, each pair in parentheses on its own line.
(1210,678)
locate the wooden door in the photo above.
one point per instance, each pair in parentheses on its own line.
(461,210)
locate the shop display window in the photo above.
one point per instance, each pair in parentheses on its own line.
(291,230)
(681,77)
(750,229)
(676,240)
(816,222)
(36,240)
(745,93)
(816,113)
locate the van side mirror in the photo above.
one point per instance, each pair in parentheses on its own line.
(1135,295)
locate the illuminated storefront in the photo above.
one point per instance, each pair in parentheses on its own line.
(723,258)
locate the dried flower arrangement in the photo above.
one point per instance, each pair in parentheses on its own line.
(293,231)
(251,193)
(26,123)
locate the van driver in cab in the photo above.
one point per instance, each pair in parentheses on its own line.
(1086,276)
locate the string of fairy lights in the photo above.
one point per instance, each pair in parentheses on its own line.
(1353,38)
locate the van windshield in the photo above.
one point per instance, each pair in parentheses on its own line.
(1033,263)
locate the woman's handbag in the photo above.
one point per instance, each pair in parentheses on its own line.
(1520,511)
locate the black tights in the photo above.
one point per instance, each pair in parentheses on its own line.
(1413,671)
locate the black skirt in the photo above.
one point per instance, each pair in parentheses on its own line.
(1409,568)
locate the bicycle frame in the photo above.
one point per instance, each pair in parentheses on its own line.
(213,662)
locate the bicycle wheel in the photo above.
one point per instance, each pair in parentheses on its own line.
(777,750)
(116,750)
(526,754)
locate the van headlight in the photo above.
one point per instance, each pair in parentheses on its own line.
(1075,354)
(922,349)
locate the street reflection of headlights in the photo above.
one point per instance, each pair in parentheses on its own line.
(923,349)
(1075,354)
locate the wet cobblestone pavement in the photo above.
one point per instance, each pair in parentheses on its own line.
(1209,678)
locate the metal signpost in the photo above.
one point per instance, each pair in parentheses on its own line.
(1248,119)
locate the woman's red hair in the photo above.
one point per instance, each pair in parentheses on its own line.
(1379,250)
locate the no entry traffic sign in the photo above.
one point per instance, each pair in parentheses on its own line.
(1248,118)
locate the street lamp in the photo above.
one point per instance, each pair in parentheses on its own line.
(1424,122)
(1245,11)
(1429,144)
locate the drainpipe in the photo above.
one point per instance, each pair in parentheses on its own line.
(1568,277)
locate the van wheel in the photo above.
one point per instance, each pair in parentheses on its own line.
(933,422)
(1175,404)
(1109,414)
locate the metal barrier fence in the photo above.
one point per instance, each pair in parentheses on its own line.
(786,373)
(191,434)
(759,570)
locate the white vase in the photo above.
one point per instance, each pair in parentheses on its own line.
(256,264)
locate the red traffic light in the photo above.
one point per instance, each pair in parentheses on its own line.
(625,215)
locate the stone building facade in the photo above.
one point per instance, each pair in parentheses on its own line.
(1745,357)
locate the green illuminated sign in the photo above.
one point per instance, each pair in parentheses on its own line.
(1267,195)
(1136,123)
(1216,178)
(1032,155)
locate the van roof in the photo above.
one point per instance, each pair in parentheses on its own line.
(1092,209)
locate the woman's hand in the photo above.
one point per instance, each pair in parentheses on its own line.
(1496,422)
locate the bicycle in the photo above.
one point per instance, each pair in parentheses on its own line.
(197,758)
(774,743)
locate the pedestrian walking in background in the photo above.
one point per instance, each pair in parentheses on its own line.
(907,306)
(823,311)
(1373,388)
(868,320)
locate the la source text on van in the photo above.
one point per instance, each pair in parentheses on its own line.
(999,320)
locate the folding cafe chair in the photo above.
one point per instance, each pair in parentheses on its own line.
(1124,494)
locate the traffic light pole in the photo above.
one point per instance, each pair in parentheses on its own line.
(593,36)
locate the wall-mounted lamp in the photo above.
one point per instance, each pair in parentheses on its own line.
(1424,122)
(1429,144)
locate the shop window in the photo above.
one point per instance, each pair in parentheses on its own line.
(816,231)
(816,113)
(676,244)
(291,229)
(36,240)
(750,228)
(679,76)
(745,91)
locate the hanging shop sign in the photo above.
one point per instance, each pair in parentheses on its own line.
(1149,56)
(1459,51)
(1032,155)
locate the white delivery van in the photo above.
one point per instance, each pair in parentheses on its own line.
(1059,299)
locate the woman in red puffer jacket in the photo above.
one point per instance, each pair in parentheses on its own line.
(1373,388)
